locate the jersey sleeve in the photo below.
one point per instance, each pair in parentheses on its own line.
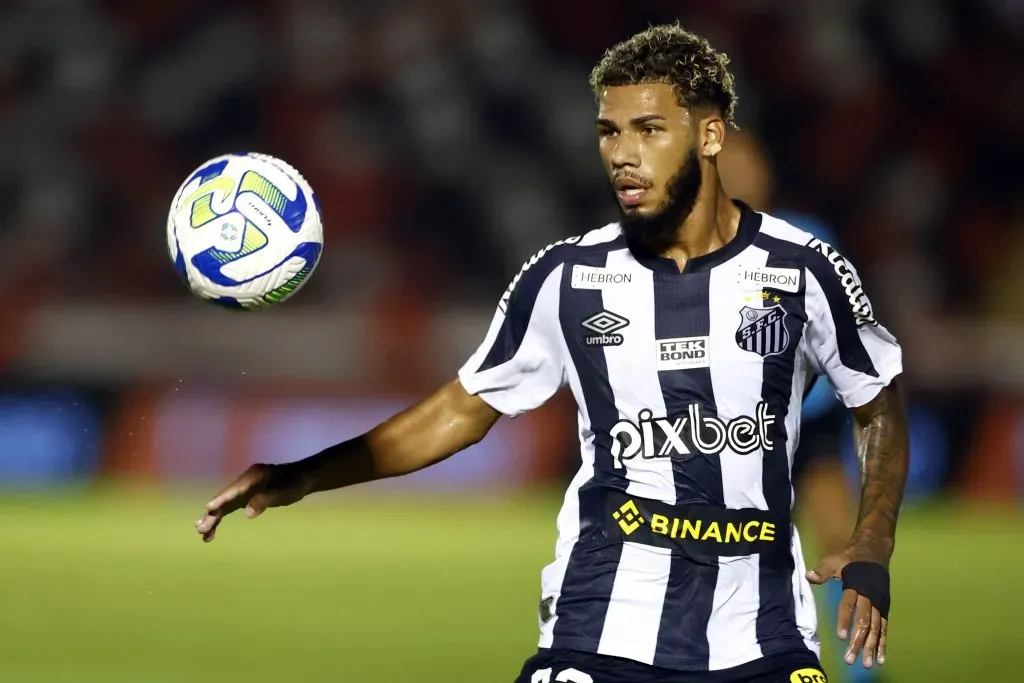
(520,363)
(844,340)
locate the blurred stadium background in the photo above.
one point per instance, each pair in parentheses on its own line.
(448,140)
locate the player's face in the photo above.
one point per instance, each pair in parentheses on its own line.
(648,146)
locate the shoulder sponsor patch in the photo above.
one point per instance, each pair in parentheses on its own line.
(590,277)
(863,313)
(782,279)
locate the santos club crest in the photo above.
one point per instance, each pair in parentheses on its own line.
(763,330)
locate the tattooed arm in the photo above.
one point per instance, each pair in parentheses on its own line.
(883,452)
(864,363)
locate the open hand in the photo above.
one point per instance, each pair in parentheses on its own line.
(856,610)
(258,488)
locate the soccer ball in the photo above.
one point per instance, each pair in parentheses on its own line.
(244,231)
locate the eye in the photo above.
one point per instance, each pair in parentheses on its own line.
(650,130)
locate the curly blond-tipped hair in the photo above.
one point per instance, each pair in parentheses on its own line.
(669,54)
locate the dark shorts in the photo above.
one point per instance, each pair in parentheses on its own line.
(568,666)
(820,440)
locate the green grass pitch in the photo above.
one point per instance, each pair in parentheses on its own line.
(117,588)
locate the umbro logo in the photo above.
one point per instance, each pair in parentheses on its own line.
(605,325)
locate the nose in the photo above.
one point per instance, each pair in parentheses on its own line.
(625,152)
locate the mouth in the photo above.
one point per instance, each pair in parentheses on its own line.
(629,191)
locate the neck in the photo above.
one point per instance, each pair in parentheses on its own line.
(712,223)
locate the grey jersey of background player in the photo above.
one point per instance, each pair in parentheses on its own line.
(697,262)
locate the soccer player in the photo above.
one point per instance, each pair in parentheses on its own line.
(687,331)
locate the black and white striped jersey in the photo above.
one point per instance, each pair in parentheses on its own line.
(675,545)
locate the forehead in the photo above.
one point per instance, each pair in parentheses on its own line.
(630,101)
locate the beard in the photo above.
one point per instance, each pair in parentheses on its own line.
(657,231)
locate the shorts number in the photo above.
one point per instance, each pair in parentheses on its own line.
(564,676)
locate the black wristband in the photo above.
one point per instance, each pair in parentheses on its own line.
(871,580)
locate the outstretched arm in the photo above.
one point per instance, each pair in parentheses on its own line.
(516,368)
(436,428)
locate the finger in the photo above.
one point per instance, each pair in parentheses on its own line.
(861,628)
(233,496)
(208,536)
(205,523)
(823,572)
(207,526)
(847,603)
(257,505)
(230,499)
(870,653)
(814,577)
(881,640)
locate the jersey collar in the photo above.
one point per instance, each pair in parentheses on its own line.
(750,225)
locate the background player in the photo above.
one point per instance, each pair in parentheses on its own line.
(665,98)
(824,491)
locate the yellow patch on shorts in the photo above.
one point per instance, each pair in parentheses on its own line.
(808,676)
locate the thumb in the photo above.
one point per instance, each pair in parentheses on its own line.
(257,505)
(822,573)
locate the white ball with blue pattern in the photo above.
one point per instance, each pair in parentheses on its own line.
(245,231)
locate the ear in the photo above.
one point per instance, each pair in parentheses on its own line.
(712,136)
